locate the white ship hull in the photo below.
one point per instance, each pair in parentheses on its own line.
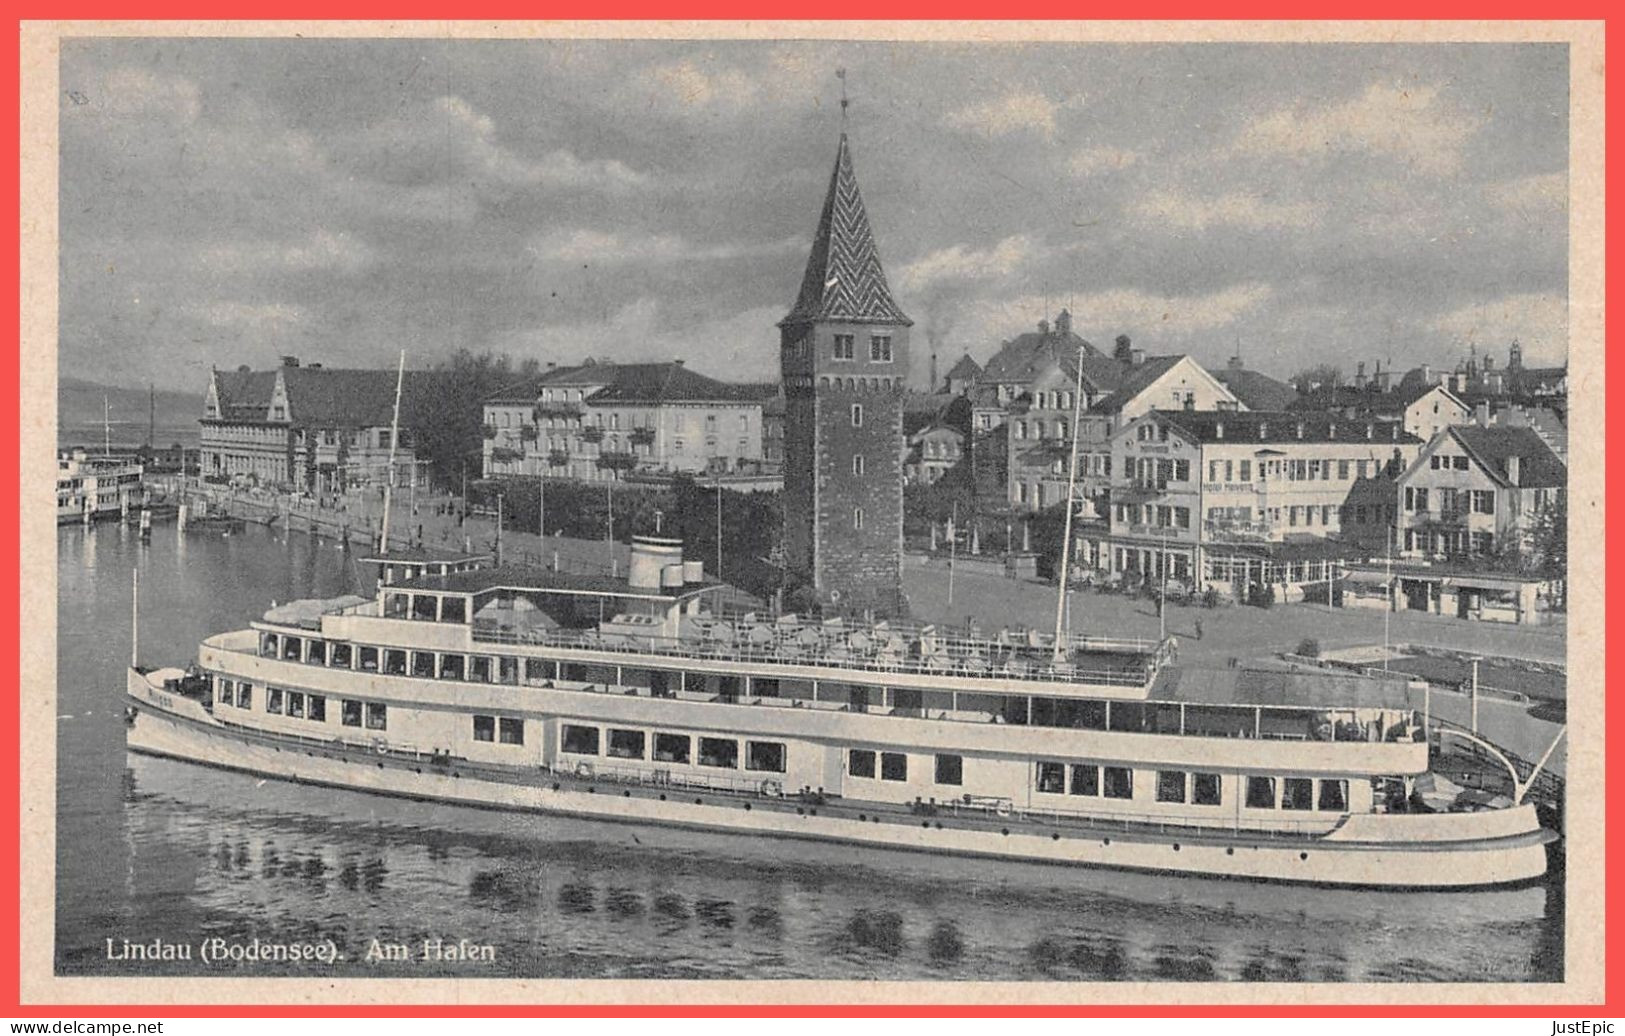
(1471,850)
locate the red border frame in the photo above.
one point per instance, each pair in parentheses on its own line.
(10,733)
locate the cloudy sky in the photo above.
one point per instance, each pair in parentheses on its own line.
(226,202)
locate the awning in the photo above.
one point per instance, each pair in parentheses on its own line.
(1510,583)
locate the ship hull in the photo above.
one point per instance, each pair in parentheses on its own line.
(1512,852)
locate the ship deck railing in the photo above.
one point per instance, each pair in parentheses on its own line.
(985,659)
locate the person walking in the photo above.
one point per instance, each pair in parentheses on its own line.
(1198,629)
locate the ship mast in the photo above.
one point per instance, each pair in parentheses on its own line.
(107,426)
(394,436)
(1071,504)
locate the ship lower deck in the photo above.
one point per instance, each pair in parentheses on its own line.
(762,807)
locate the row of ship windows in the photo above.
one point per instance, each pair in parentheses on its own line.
(1198,789)
(239,694)
(718,752)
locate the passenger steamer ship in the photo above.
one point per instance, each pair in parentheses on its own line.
(637,699)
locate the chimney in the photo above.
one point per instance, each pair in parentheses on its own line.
(1043,327)
(1512,470)
(1427,374)
(1370,430)
(1300,429)
(1263,430)
(1218,429)
(1359,375)
(933,371)
(1124,353)
(1235,363)
(1331,430)
(290,361)
(1136,356)
(551,365)
(1385,379)
(1063,323)
(1481,413)
(678,363)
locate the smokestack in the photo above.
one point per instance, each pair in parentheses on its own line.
(933,370)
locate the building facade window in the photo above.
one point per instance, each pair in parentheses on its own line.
(893,766)
(844,347)
(950,769)
(857,415)
(860,762)
(880,348)
(857,464)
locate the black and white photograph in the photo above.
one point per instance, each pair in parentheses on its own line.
(1081,513)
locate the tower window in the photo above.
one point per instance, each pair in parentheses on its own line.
(880,348)
(857,464)
(857,518)
(844,347)
(857,415)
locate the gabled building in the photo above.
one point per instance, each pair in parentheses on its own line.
(963,376)
(311,427)
(1040,440)
(1421,405)
(1475,491)
(931,453)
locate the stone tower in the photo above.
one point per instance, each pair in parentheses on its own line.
(844,357)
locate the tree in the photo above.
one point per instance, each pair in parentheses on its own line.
(452,435)
(1323,376)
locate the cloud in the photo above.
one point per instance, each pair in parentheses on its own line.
(322,250)
(1157,315)
(247,315)
(607,248)
(1540,321)
(131,91)
(1411,124)
(1021,111)
(1089,161)
(1531,197)
(687,84)
(559,167)
(959,263)
(1235,209)
(740,347)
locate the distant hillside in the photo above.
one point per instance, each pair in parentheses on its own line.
(79,413)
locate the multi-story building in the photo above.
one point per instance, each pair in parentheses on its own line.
(1421,405)
(844,355)
(1040,432)
(1242,497)
(1475,491)
(931,453)
(601,421)
(315,428)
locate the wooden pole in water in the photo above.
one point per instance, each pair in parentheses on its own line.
(135,615)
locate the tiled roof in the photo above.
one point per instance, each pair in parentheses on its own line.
(244,394)
(844,280)
(327,396)
(669,383)
(1257,391)
(1255,426)
(1136,380)
(1538,466)
(1028,355)
(966,369)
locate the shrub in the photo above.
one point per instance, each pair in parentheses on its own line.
(1308,647)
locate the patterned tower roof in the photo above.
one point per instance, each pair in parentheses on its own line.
(844,280)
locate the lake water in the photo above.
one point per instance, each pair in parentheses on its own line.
(152,849)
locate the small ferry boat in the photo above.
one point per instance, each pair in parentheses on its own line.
(640,698)
(91,487)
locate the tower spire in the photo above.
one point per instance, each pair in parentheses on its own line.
(840,73)
(844,279)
